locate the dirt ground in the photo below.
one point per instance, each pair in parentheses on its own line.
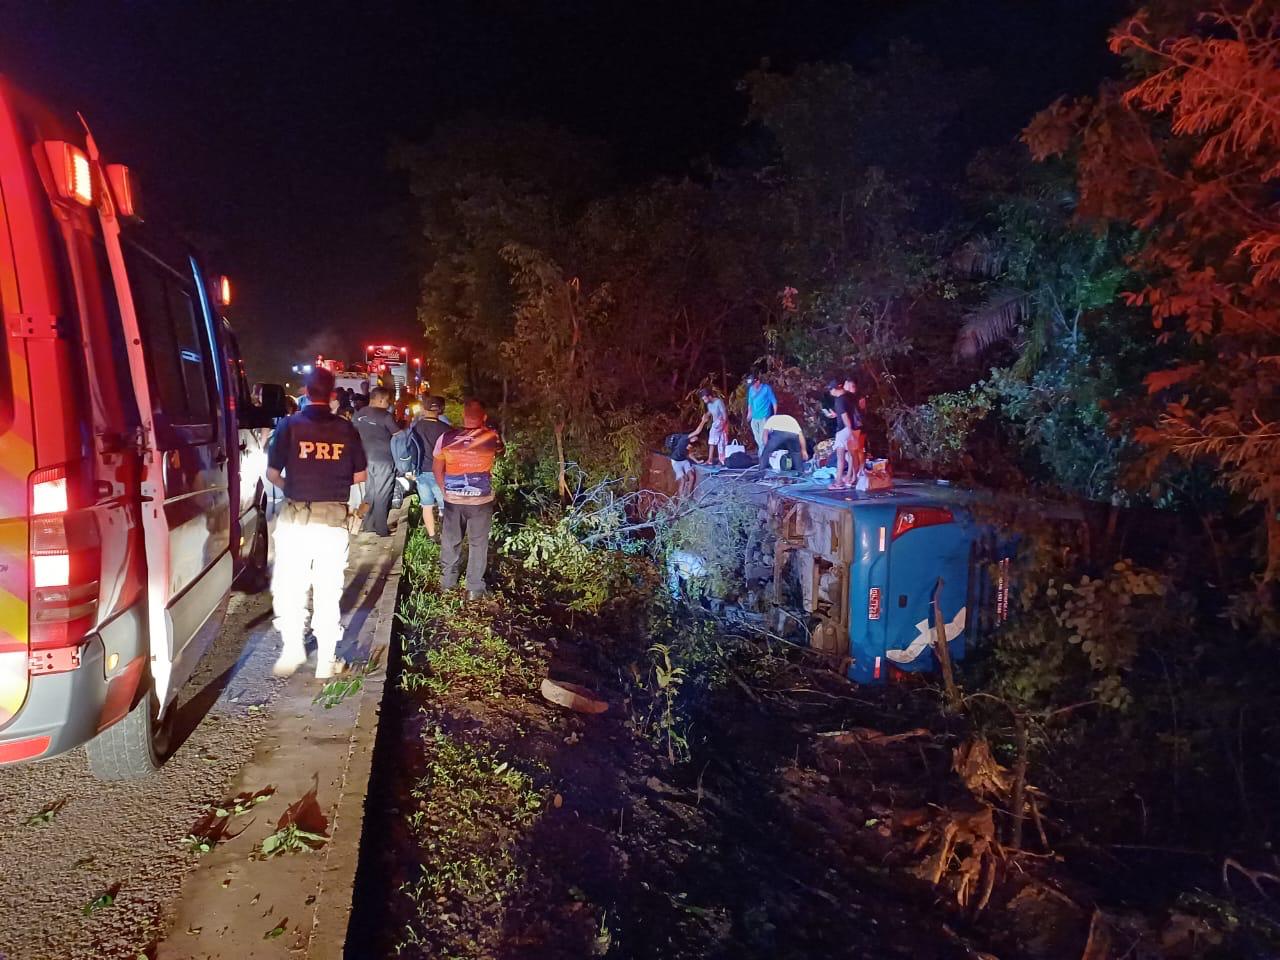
(783,813)
(126,836)
(746,850)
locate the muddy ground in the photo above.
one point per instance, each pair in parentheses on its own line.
(769,839)
(802,817)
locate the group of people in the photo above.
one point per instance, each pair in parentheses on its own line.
(319,453)
(779,438)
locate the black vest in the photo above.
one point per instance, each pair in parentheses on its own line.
(322,455)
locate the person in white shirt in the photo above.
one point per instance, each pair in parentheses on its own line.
(782,432)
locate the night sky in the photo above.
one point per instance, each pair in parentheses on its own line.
(261,129)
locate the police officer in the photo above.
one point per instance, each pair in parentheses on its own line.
(315,456)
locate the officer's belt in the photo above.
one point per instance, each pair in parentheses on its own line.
(324,512)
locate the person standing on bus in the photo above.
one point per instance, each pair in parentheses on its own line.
(377,426)
(315,457)
(762,403)
(463,468)
(716,419)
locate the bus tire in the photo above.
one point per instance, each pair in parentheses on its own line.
(133,748)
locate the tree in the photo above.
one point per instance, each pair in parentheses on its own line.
(480,187)
(553,347)
(1188,151)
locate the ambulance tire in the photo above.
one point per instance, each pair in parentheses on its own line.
(136,746)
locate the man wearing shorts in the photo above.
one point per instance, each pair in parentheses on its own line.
(717,415)
(857,439)
(677,446)
(430,428)
(844,410)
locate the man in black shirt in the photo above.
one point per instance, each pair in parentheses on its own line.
(430,428)
(377,426)
(315,456)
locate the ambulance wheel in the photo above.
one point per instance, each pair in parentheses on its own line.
(136,746)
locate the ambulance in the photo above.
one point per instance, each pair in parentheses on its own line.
(131,461)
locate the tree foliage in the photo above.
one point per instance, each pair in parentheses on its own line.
(1188,151)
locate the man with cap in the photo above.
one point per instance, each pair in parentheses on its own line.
(463,468)
(315,456)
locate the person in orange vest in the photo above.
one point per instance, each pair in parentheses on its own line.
(463,468)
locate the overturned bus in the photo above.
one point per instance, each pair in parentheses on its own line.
(878,577)
(874,579)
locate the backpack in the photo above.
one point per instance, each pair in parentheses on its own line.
(406,450)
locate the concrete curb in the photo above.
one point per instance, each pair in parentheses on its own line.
(235,904)
(342,853)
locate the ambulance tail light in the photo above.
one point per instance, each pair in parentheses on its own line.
(72,174)
(123,189)
(65,556)
(222,290)
(913,518)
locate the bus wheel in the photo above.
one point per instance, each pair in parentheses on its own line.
(136,746)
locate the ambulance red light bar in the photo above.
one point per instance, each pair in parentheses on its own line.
(913,518)
(222,290)
(123,189)
(72,175)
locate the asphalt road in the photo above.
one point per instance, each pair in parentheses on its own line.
(128,837)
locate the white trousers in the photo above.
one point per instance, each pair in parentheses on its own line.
(309,557)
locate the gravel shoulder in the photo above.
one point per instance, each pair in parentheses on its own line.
(128,838)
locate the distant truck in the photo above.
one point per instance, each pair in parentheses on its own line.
(356,378)
(131,455)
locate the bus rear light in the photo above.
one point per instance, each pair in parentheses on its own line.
(72,175)
(913,518)
(123,191)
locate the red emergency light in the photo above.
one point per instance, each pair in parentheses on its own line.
(123,189)
(72,175)
(222,290)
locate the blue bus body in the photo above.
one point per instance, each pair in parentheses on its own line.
(864,567)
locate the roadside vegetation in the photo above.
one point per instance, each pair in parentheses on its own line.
(1087,315)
